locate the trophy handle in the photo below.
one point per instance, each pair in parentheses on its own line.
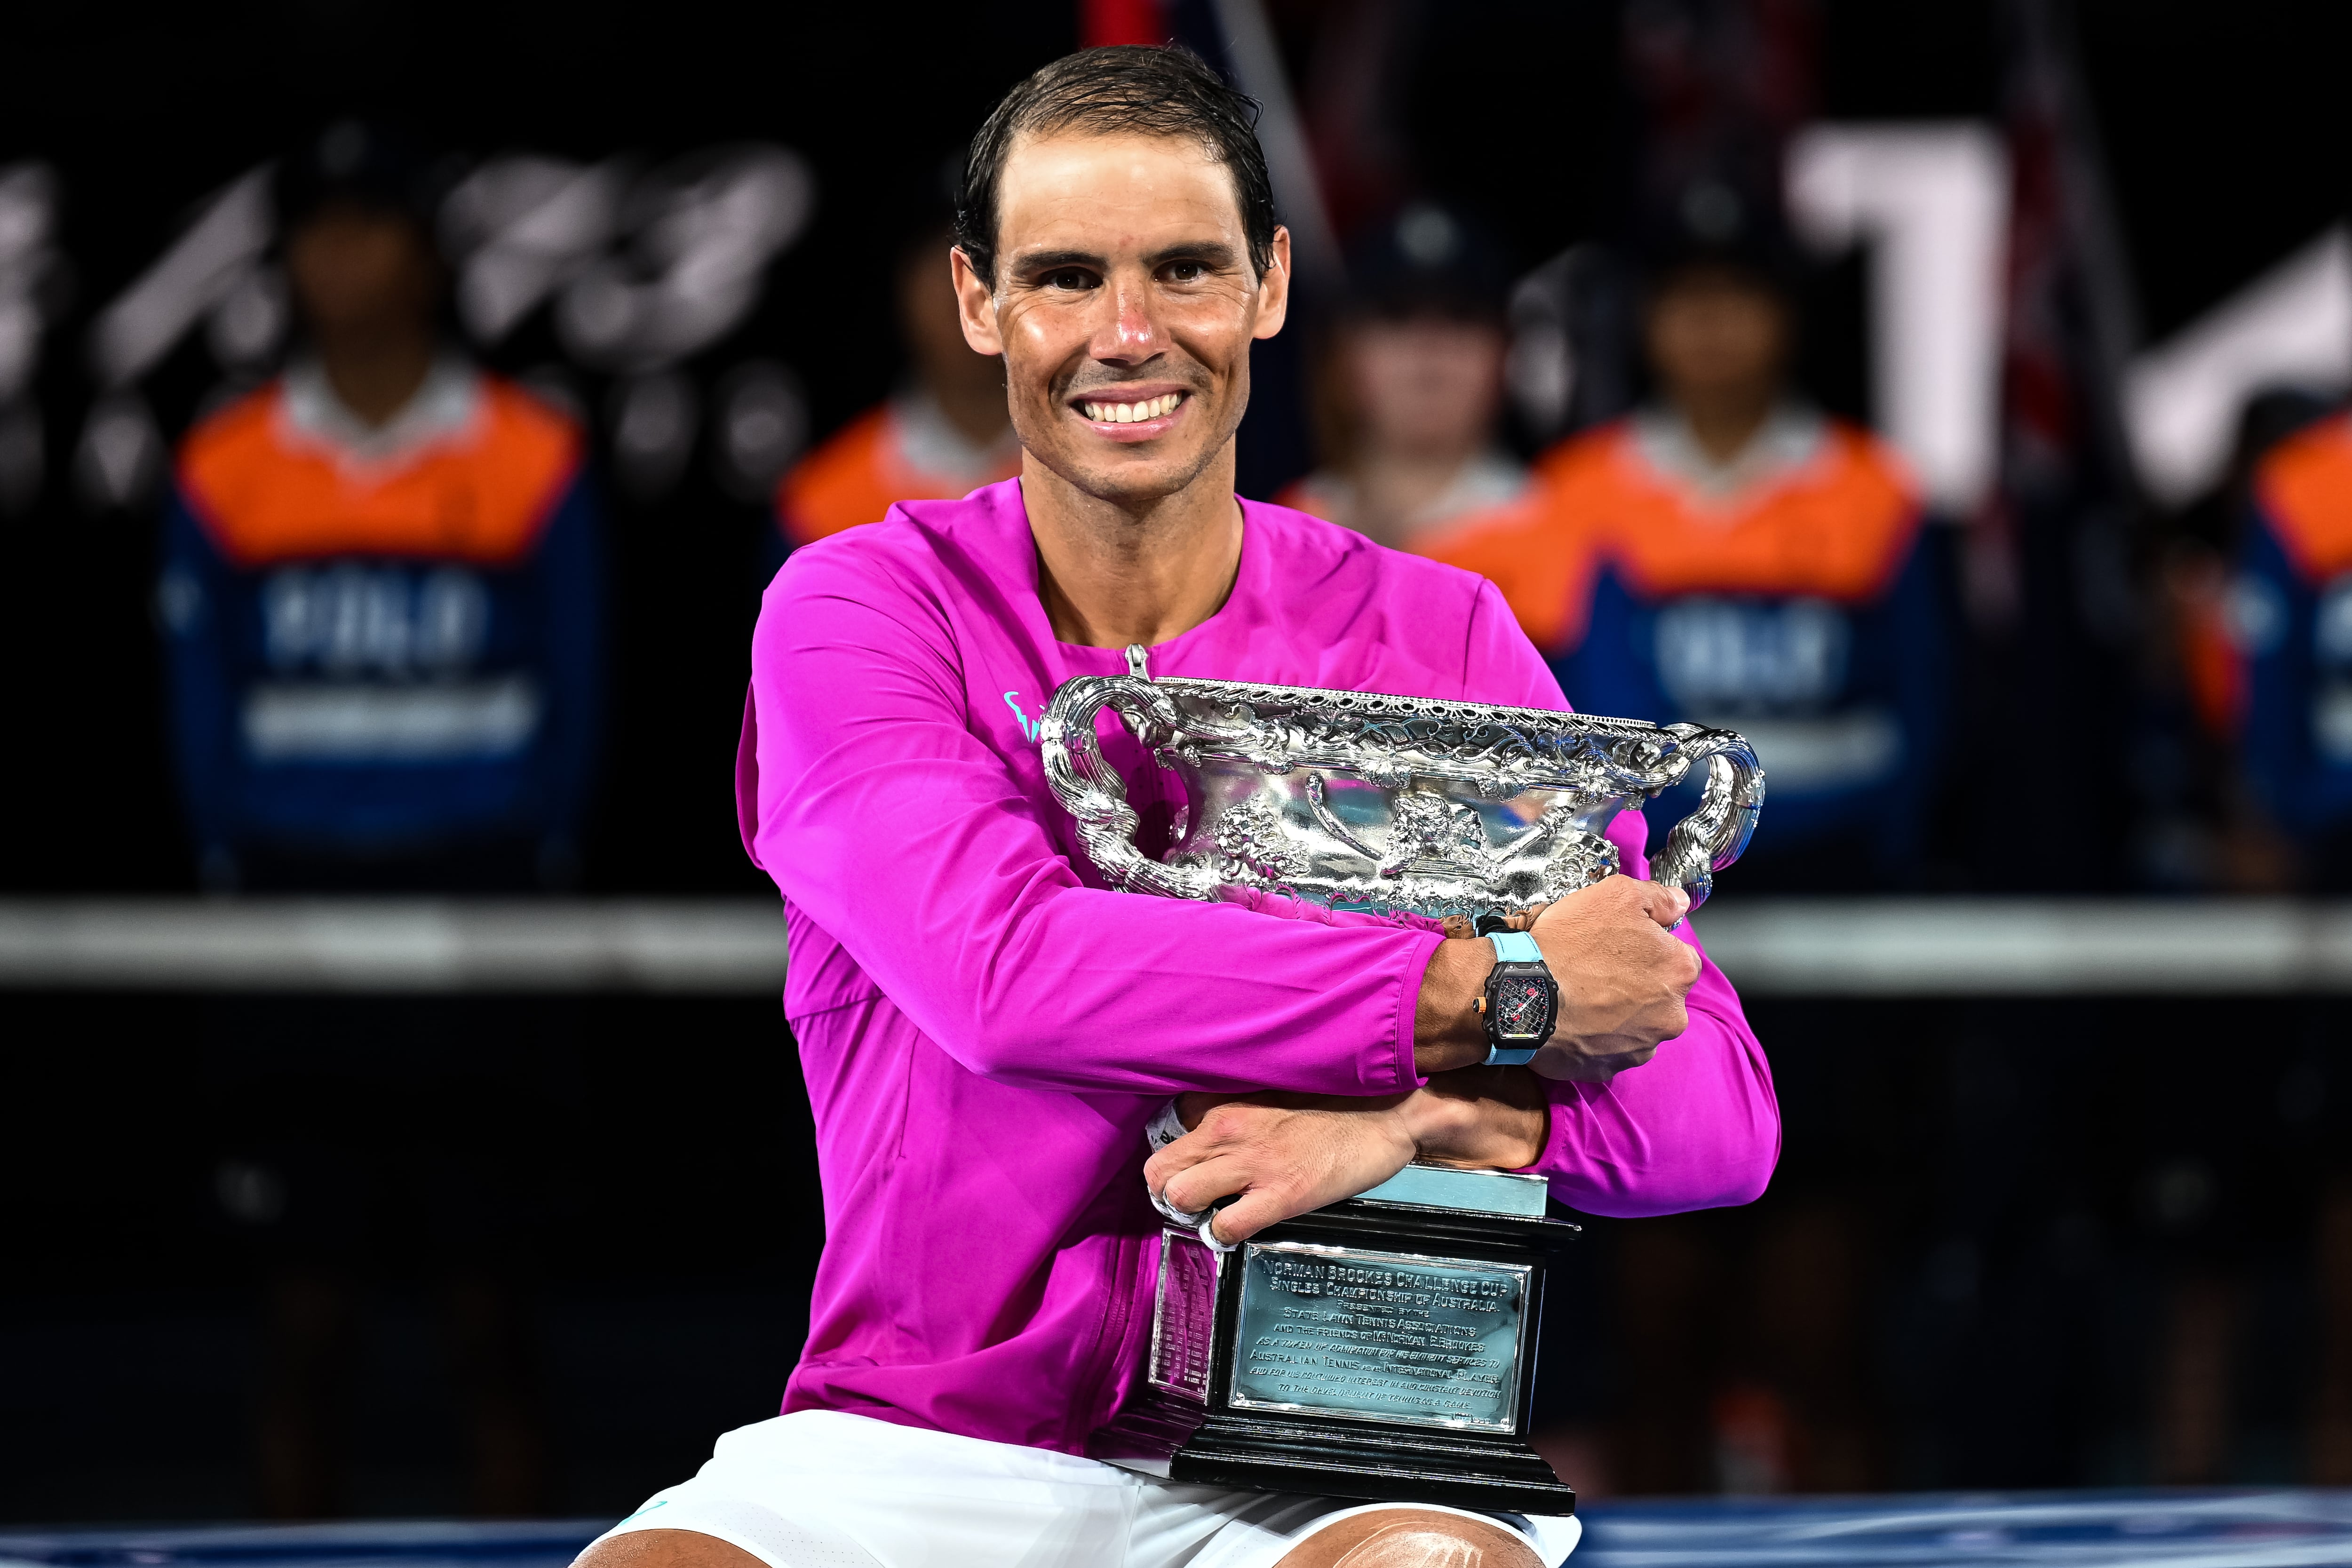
(1092,790)
(1711,838)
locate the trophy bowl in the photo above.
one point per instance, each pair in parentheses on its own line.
(1361,801)
(1382,1347)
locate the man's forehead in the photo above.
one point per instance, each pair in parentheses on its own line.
(1114,194)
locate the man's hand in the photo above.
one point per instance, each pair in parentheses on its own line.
(1283,1153)
(1288,1153)
(1621,978)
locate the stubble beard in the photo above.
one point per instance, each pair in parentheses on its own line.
(1112,483)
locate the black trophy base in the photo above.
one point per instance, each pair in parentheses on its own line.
(1387,1466)
(1382,1349)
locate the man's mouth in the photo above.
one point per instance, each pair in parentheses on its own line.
(1140,411)
(1135,419)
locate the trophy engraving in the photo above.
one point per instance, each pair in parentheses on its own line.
(1379,1336)
(1384,1346)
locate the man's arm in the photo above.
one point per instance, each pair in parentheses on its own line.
(888,822)
(1696,1127)
(1285,1154)
(194,603)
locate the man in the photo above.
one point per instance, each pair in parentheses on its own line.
(2289,663)
(380,601)
(380,582)
(1731,557)
(1413,386)
(941,436)
(987,1031)
(2290,616)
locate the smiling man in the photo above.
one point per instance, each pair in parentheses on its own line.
(987,1031)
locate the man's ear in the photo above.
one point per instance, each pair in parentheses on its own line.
(975,305)
(1273,289)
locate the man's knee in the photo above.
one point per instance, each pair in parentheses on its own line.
(1411,1537)
(666,1548)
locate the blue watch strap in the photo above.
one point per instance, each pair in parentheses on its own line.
(1514,947)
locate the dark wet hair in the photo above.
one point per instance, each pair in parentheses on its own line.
(1122,89)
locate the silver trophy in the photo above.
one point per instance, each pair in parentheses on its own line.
(1365,802)
(1382,1347)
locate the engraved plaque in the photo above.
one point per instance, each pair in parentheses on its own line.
(1379,1336)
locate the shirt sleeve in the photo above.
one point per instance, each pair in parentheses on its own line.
(893,827)
(1697,1125)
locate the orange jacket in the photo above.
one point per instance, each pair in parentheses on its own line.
(856,475)
(1838,526)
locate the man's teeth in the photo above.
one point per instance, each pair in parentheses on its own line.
(1129,413)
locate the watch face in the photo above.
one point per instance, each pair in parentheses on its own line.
(1522,1006)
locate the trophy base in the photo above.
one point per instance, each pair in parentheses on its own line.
(1387,1466)
(1381,1349)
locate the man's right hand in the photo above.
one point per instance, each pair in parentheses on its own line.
(1621,978)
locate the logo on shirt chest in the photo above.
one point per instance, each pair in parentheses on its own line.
(352,619)
(1726,655)
(1030,728)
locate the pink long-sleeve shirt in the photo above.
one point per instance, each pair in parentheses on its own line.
(985,1028)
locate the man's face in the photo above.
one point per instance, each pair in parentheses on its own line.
(1714,332)
(1125,306)
(358,270)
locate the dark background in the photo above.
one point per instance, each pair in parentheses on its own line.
(2217,125)
(1996,1157)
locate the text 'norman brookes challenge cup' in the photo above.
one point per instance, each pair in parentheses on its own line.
(1382,1347)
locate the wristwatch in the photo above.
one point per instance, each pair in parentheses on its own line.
(1522,1001)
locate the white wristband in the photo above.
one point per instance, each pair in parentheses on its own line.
(1161,1131)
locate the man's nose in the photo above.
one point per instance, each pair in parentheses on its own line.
(1130,332)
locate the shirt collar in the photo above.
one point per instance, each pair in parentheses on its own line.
(441,406)
(1790,438)
(930,443)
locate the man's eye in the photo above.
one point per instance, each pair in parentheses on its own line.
(1186,271)
(1069,277)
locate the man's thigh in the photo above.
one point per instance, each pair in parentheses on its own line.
(1386,1538)
(1407,1538)
(666,1548)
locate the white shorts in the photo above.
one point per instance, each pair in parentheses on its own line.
(823,1489)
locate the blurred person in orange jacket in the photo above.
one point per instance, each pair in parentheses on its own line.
(1411,387)
(2258,1171)
(944,434)
(380,596)
(1729,555)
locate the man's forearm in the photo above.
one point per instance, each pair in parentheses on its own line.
(1447,1032)
(1491,1118)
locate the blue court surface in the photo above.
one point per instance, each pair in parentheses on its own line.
(2175,1529)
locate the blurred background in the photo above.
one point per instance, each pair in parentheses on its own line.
(403,404)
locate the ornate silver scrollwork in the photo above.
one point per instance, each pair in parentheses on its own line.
(1365,801)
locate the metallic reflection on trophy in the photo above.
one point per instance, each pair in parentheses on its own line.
(1382,1347)
(1361,801)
